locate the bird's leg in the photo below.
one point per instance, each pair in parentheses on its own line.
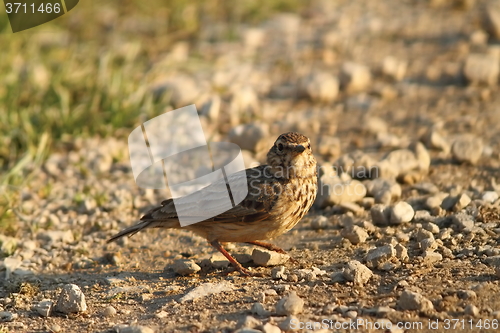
(233,261)
(272,247)
(268,246)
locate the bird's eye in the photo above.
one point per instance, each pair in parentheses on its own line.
(308,146)
(280,146)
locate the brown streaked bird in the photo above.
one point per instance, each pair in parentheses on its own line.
(280,193)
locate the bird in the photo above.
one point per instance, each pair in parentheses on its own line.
(280,193)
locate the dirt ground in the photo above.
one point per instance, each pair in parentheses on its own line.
(434,95)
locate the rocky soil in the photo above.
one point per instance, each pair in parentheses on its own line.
(401,102)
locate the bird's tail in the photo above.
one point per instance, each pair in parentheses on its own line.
(130,231)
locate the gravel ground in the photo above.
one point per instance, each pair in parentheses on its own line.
(400,100)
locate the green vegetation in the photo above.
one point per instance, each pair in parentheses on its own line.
(87,73)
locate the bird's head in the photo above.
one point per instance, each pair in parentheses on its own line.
(291,156)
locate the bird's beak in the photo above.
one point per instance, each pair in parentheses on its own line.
(299,148)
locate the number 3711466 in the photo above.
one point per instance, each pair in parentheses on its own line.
(27,8)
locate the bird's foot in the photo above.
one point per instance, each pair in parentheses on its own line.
(237,266)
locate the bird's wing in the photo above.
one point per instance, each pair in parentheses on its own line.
(206,205)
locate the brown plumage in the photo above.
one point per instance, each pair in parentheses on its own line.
(280,193)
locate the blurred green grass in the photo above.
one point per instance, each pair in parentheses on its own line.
(86,76)
(87,73)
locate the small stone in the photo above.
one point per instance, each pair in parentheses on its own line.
(247,330)
(448,202)
(6,316)
(437,200)
(431,257)
(290,305)
(401,253)
(334,190)
(44,308)
(289,324)
(329,146)
(388,140)
(421,234)
(380,214)
(428,244)
(401,212)
(351,314)
(462,221)
(357,165)
(489,196)
(185,267)
(71,300)
(54,328)
(271,292)
(270,328)
(357,272)
(383,190)
(422,215)
(218,261)
(463,201)
(407,165)
(447,253)
(394,68)
(10,264)
(243,258)
(162,314)
(422,155)
(135,329)
(319,222)
(109,311)
(410,300)
(402,237)
(253,38)
(56,236)
(355,234)
(426,187)
(248,322)
(493,261)
(388,266)
(338,277)
(263,257)
(471,310)
(434,140)
(258,309)
(354,77)
(206,289)
(114,258)
(467,294)
(374,125)
(481,69)
(247,136)
(320,87)
(278,273)
(380,255)
(467,149)
(432,227)
(261,297)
